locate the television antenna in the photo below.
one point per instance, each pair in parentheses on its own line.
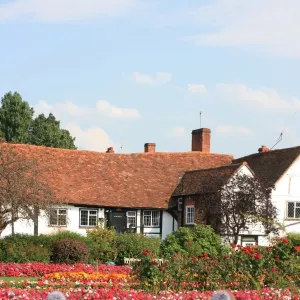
(201,111)
(282,132)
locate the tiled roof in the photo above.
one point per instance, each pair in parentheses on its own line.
(205,181)
(270,166)
(118,180)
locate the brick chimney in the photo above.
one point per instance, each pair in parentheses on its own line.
(149,147)
(110,150)
(263,149)
(201,140)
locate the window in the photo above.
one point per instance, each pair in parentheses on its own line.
(58,217)
(293,210)
(179,204)
(88,217)
(190,214)
(131,219)
(151,218)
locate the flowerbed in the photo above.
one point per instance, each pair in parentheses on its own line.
(41,269)
(116,294)
(89,276)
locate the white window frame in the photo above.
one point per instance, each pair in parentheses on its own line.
(295,206)
(88,217)
(130,214)
(179,204)
(189,209)
(57,210)
(150,214)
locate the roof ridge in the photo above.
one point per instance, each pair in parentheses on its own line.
(265,153)
(19,145)
(221,167)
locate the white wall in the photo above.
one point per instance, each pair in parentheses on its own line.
(167,224)
(288,189)
(26,227)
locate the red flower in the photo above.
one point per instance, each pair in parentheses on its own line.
(297,248)
(145,252)
(153,262)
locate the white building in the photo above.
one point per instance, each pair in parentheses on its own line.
(129,192)
(281,170)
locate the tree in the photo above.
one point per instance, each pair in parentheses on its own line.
(15,118)
(246,202)
(23,192)
(240,204)
(18,126)
(46,131)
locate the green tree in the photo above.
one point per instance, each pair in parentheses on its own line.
(15,118)
(46,131)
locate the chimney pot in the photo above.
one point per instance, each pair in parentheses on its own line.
(263,149)
(110,150)
(201,140)
(149,147)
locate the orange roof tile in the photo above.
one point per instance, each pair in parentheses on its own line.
(205,180)
(142,180)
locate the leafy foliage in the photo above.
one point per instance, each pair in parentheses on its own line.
(13,248)
(103,244)
(192,242)
(243,268)
(46,131)
(69,251)
(23,248)
(15,118)
(18,126)
(131,245)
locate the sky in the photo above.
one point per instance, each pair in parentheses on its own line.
(123,73)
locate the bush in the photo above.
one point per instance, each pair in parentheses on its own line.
(294,238)
(69,251)
(192,242)
(243,268)
(131,245)
(102,244)
(21,248)
(29,248)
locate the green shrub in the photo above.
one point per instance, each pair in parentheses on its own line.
(102,243)
(294,238)
(30,248)
(131,245)
(69,251)
(22,248)
(192,242)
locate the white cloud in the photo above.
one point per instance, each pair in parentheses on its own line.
(272,26)
(62,10)
(158,79)
(61,109)
(261,99)
(94,138)
(108,110)
(178,131)
(232,130)
(197,88)
(103,108)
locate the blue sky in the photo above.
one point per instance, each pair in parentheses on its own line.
(126,72)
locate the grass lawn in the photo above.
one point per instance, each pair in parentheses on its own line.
(17,279)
